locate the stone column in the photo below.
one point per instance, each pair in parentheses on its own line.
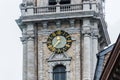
(86,50)
(95,47)
(30,53)
(24,42)
(40,59)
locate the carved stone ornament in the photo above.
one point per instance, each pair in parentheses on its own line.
(29,3)
(23,39)
(59,57)
(22,5)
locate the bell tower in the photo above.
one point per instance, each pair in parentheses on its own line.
(61,38)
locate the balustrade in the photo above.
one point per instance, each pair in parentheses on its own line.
(59,8)
(63,8)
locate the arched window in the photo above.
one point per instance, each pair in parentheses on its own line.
(59,73)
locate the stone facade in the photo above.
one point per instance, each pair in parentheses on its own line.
(70,59)
(85,26)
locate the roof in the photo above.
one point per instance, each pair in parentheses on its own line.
(100,61)
(112,67)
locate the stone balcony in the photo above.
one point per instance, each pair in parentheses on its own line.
(86,9)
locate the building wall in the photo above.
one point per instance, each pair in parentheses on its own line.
(45,54)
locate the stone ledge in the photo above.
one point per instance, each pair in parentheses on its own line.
(41,17)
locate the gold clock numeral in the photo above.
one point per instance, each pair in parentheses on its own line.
(59,32)
(67,45)
(69,40)
(49,38)
(59,51)
(49,42)
(68,36)
(52,48)
(53,34)
(63,33)
(64,49)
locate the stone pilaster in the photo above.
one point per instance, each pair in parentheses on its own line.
(68,71)
(40,59)
(86,64)
(31,67)
(24,42)
(95,34)
(77,59)
(51,72)
(24,60)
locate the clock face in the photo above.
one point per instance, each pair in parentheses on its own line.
(59,41)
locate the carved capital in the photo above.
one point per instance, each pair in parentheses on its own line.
(45,24)
(86,30)
(29,3)
(72,22)
(95,33)
(22,5)
(58,24)
(23,40)
(30,38)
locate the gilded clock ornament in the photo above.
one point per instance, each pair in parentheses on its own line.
(59,41)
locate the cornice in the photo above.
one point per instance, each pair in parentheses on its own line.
(55,16)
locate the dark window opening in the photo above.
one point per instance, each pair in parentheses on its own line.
(59,73)
(52,2)
(65,2)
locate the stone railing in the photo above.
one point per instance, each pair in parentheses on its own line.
(32,10)
(58,8)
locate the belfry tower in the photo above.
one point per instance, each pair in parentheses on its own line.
(61,38)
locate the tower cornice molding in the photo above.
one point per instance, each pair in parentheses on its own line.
(23,40)
(26,38)
(56,16)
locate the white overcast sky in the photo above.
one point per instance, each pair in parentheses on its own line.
(11,46)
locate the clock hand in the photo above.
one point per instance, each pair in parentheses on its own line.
(56,43)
